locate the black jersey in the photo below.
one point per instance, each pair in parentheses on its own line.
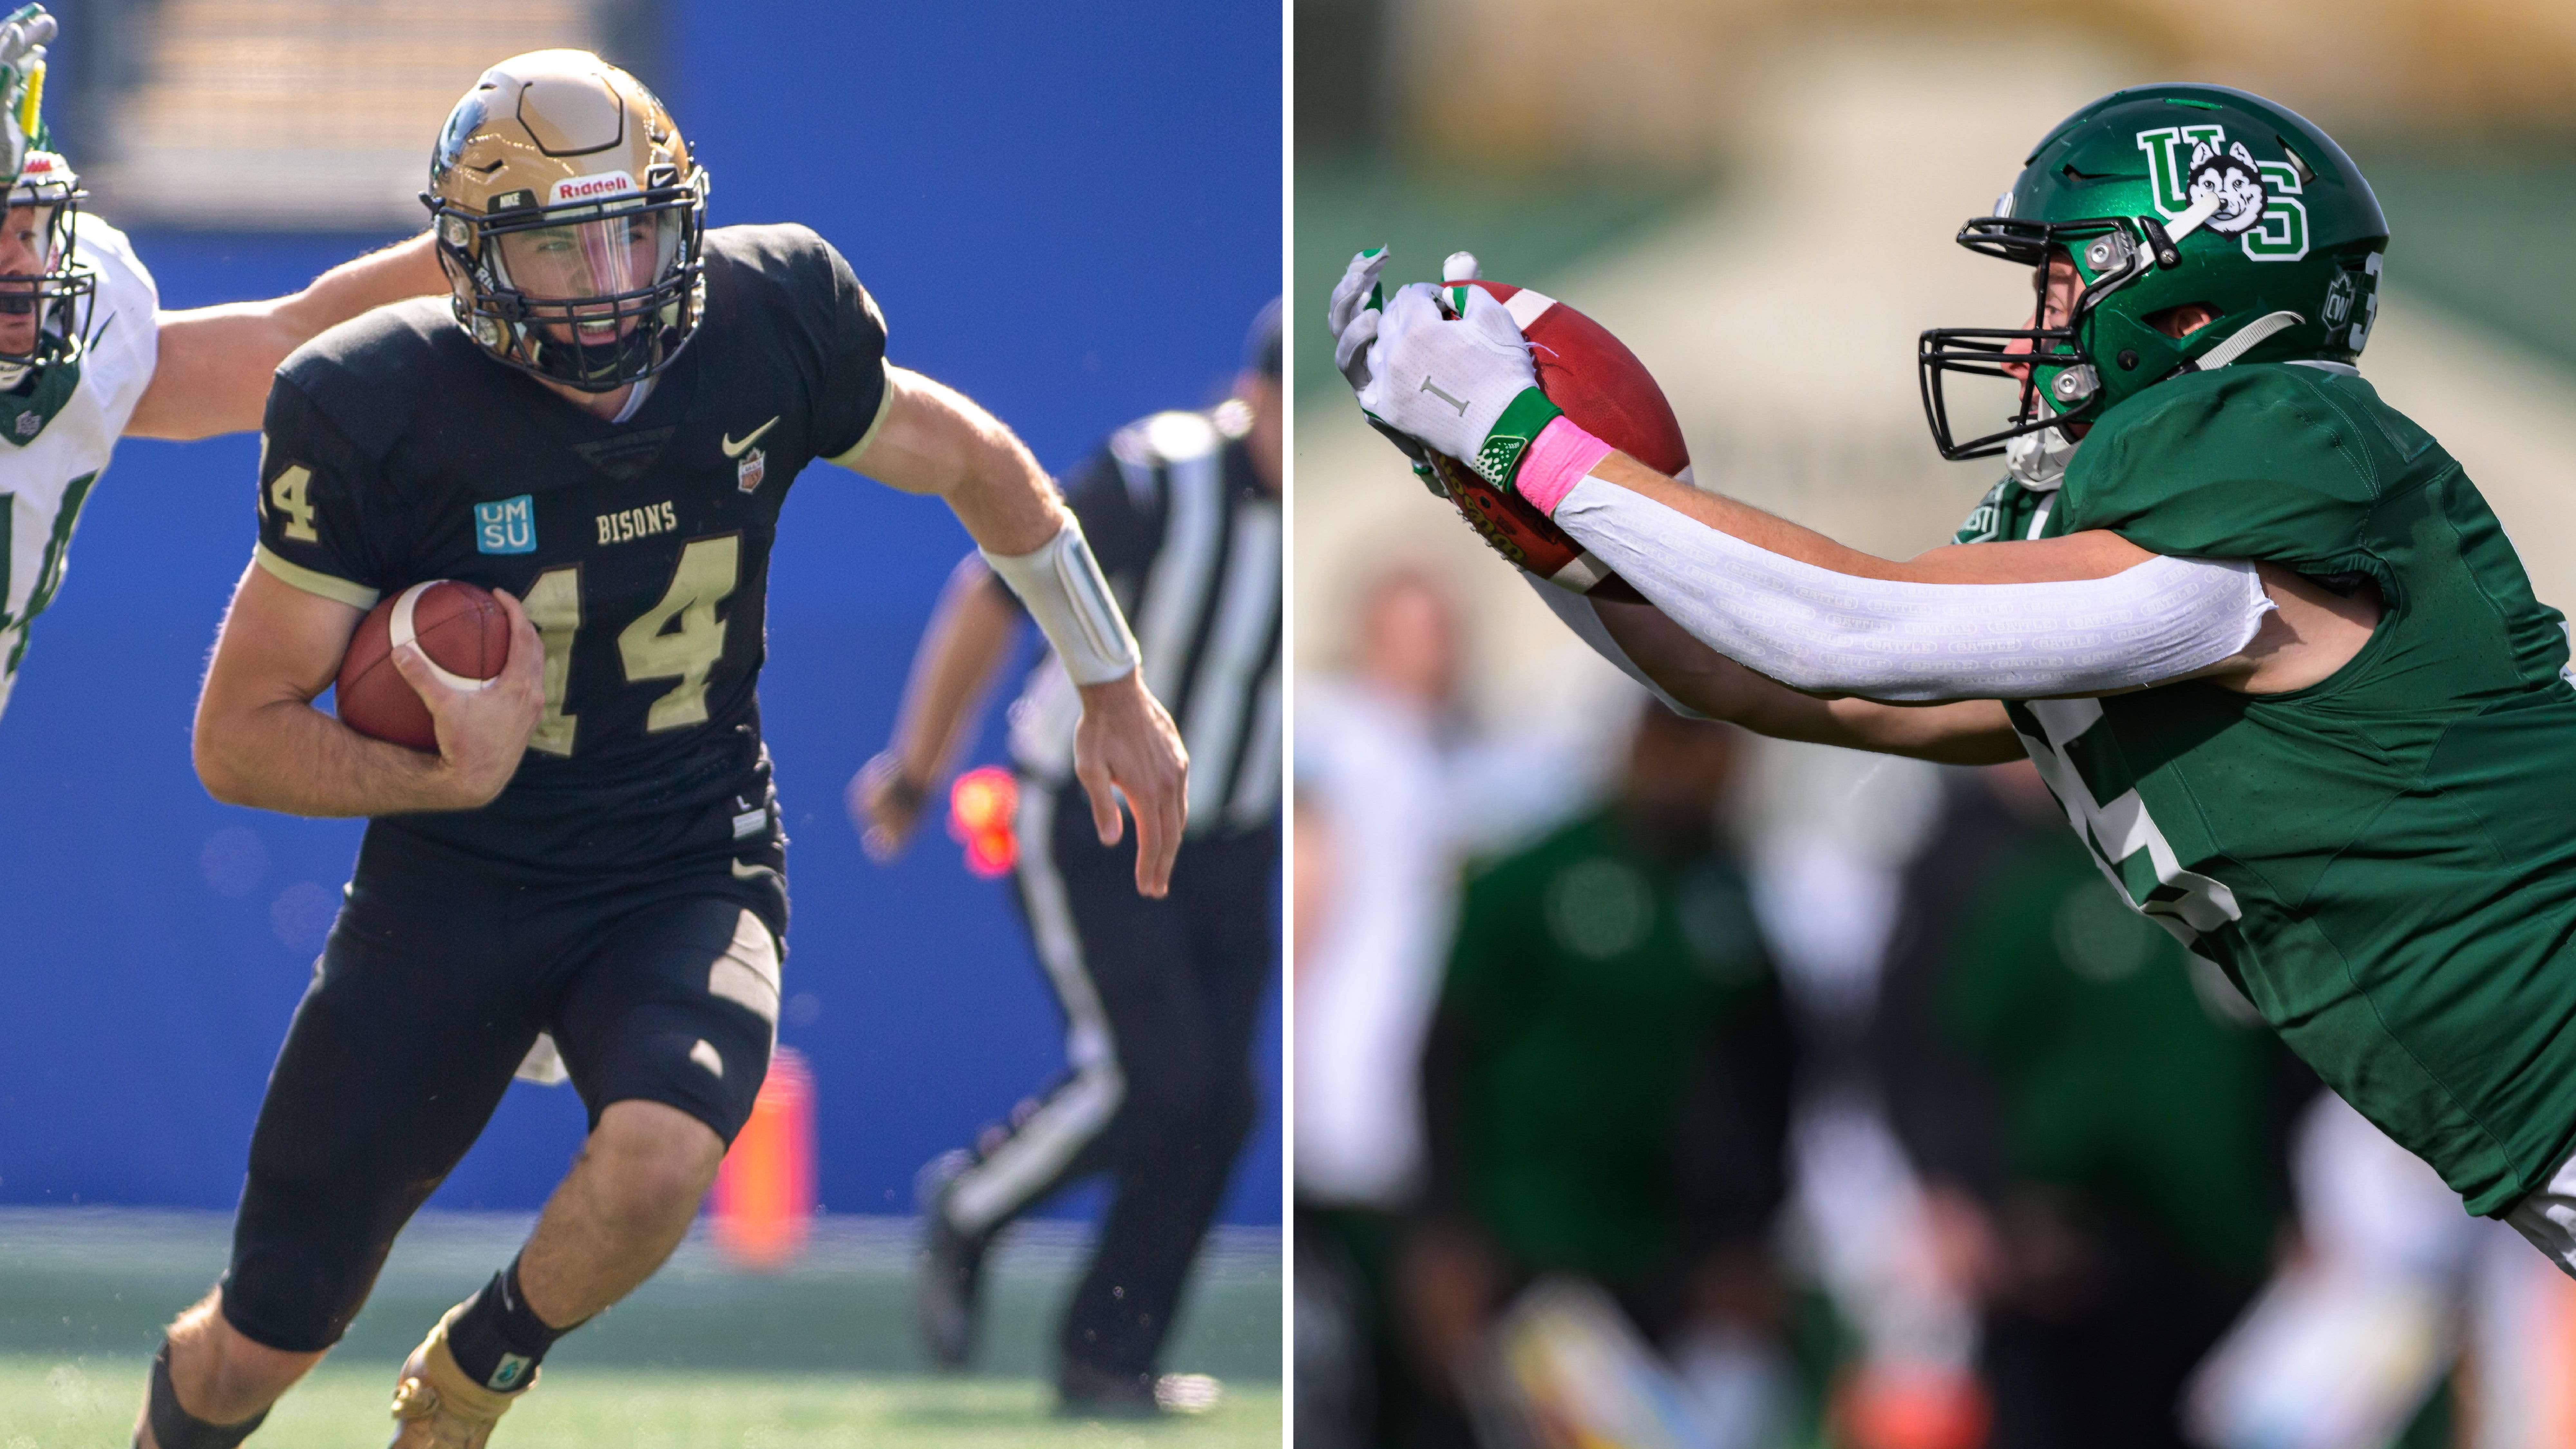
(396,450)
(1189,541)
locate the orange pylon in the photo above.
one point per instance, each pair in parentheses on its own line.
(763,1202)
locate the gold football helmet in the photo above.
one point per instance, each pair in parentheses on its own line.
(571,220)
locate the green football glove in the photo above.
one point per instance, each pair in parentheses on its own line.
(23,37)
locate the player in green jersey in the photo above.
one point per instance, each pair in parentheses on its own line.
(2267,644)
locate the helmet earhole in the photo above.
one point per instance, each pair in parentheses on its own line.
(2128,360)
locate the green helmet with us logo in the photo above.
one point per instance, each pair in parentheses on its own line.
(2166,197)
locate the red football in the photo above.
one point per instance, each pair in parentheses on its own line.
(459,626)
(1609,394)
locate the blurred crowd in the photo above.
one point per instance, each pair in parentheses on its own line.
(1725,1095)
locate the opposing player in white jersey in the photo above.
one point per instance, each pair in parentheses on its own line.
(87,356)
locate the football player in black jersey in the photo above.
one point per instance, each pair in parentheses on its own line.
(591,865)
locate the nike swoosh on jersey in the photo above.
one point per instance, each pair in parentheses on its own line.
(733,449)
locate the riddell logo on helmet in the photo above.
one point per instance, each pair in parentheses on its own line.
(591,188)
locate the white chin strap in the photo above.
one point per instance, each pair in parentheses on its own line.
(2037,461)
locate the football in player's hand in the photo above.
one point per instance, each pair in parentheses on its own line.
(1609,394)
(462,631)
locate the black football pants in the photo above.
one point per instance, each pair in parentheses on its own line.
(438,976)
(1160,1001)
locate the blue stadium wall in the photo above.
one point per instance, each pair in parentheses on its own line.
(1068,212)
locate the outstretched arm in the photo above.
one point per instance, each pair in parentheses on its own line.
(1965,732)
(933,439)
(215,362)
(969,634)
(2089,613)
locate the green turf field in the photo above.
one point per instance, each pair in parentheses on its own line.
(89,1404)
(702,1355)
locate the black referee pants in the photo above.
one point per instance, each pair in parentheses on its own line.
(1160,1000)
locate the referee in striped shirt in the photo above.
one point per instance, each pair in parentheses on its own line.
(1160,997)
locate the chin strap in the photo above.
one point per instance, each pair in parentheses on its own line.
(2247,338)
(2194,216)
(2038,460)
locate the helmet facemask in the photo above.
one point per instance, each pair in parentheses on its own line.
(594,295)
(60,292)
(2059,381)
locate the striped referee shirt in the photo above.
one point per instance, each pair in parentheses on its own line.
(1190,543)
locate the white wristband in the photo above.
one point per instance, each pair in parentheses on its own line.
(1062,588)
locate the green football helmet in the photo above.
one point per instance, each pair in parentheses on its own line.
(2164,196)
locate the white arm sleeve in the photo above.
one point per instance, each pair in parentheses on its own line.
(1814,629)
(1578,615)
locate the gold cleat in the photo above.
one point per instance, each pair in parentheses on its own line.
(437,1407)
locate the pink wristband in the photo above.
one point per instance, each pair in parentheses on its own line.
(1557,460)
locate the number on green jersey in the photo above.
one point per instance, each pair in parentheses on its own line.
(2120,831)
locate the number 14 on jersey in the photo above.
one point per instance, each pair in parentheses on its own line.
(679,638)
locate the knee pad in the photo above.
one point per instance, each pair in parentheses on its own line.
(175,1428)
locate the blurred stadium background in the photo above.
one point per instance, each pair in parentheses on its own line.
(1071,216)
(1759,196)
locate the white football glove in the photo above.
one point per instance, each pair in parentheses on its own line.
(1353,315)
(1464,387)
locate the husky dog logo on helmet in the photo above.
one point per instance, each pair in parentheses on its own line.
(2230,176)
(2258,201)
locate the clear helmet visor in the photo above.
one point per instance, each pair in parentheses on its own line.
(595,275)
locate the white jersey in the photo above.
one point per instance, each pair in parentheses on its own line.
(54,442)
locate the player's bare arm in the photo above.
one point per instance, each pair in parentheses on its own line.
(214,366)
(260,742)
(933,439)
(969,634)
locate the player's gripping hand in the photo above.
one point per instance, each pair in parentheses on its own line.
(1353,314)
(483,733)
(1462,386)
(1126,745)
(24,33)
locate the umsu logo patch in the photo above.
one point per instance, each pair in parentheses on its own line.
(507,526)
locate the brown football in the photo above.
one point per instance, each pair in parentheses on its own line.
(1609,394)
(459,626)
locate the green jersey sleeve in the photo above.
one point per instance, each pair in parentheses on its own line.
(2275,462)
